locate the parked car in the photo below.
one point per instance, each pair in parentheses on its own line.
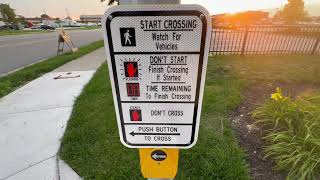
(91,24)
(4,27)
(2,23)
(47,27)
(28,25)
(10,26)
(36,27)
(70,23)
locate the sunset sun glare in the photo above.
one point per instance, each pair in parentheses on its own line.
(234,6)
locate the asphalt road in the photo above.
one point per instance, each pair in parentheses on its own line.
(21,50)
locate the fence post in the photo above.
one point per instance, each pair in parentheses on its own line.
(315,47)
(244,41)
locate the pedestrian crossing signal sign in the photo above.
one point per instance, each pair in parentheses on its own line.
(128,36)
(157,56)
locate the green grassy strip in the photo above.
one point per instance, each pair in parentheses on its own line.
(91,144)
(16,79)
(18,32)
(292,69)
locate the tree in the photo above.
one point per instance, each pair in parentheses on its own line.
(9,16)
(21,20)
(44,16)
(278,15)
(293,11)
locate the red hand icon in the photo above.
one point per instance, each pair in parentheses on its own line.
(131,70)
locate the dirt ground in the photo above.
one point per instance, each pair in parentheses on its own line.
(250,136)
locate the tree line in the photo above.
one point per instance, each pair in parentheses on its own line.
(292,12)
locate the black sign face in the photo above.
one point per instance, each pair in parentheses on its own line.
(158,155)
(128,36)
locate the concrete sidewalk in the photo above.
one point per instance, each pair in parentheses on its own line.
(34,118)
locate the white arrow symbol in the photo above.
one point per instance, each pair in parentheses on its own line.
(158,156)
(170,134)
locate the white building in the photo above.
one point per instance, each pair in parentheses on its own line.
(69,23)
(49,21)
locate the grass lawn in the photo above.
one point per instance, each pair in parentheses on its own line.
(92,147)
(290,69)
(18,32)
(12,81)
(91,144)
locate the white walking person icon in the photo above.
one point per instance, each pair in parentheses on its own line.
(127,36)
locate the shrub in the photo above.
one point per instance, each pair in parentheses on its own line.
(292,133)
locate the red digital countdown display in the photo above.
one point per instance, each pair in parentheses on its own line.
(133,89)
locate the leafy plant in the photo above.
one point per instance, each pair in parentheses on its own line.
(292,135)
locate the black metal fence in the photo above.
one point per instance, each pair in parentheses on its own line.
(265,39)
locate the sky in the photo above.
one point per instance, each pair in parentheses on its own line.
(57,8)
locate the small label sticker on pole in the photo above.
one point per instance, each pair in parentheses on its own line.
(157,57)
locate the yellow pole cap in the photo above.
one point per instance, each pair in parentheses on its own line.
(159,163)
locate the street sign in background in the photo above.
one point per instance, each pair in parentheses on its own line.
(157,58)
(64,37)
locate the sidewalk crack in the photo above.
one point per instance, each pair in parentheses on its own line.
(58,168)
(28,167)
(34,110)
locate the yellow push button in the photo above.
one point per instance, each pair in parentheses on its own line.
(159,163)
